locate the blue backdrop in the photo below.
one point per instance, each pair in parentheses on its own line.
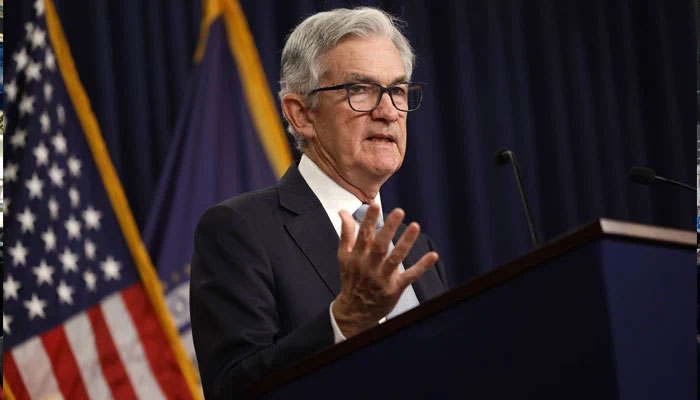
(580,90)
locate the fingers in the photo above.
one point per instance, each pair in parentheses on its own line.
(347,232)
(380,246)
(365,234)
(413,273)
(403,246)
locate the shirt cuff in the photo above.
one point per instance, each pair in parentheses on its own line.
(337,334)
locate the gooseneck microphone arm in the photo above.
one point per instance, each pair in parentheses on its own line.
(647,176)
(661,178)
(503,157)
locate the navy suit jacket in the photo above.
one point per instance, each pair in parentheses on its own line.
(264,273)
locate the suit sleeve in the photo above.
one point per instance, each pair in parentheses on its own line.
(233,308)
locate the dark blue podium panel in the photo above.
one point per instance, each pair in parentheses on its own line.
(610,319)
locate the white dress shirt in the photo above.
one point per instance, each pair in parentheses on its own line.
(333,198)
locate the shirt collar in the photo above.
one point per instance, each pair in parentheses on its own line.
(332,196)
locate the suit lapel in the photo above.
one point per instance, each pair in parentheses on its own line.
(310,229)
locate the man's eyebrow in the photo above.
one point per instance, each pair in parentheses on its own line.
(353,77)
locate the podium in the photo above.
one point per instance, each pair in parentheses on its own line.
(605,312)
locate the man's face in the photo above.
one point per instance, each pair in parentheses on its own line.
(360,146)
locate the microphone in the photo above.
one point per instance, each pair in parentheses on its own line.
(503,157)
(647,176)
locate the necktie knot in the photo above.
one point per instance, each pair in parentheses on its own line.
(359,215)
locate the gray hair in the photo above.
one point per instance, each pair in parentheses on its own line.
(302,66)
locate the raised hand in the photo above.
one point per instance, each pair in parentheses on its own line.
(371,283)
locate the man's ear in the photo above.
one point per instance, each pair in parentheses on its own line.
(295,109)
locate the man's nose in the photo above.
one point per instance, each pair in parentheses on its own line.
(385,109)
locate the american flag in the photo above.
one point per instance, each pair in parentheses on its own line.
(78,321)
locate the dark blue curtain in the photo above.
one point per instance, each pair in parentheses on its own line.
(579,90)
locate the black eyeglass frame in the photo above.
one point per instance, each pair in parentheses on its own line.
(382,90)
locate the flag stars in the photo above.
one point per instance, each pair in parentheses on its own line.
(65,293)
(90,280)
(6,321)
(26,105)
(74,165)
(111,268)
(56,175)
(92,218)
(61,114)
(34,186)
(21,58)
(45,122)
(29,27)
(26,218)
(44,273)
(41,152)
(48,91)
(74,196)
(39,7)
(50,60)
(69,260)
(11,91)
(33,71)
(53,208)
(90,249)
(19,139)
(49,238)
(10,288)
(10,172)
(18,254)
(38,38)
(59,143)
(35,307)
(72,226)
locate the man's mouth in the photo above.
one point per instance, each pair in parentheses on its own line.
(381,139)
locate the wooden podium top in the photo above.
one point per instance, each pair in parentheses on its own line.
(601,228)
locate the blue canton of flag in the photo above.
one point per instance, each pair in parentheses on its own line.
(77,321)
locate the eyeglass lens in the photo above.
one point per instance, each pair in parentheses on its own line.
(365,96)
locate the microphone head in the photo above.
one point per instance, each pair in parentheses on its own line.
(642,175)
(502,156)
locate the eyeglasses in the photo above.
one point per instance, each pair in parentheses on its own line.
(365,97)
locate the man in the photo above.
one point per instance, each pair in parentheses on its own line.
(280,273)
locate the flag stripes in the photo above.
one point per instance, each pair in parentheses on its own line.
(85,358)
(11,376)
(81,341)
(35,369)
(111,365)
(163,364)
(64,365)
(130,349)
